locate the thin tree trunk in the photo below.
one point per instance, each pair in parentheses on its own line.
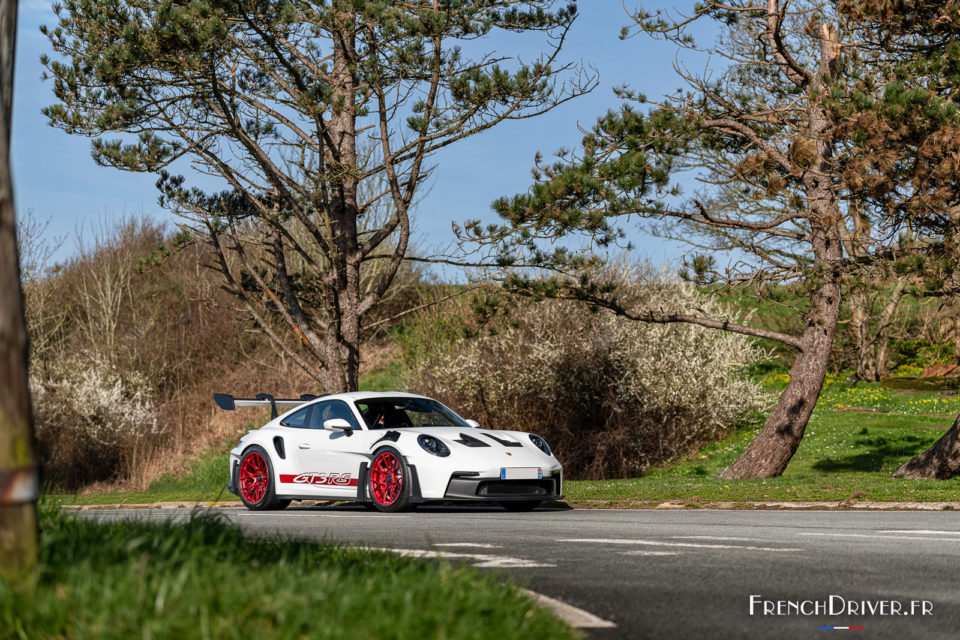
(883,329)
(873,351)
(941,461)
(867,364)
(18,484)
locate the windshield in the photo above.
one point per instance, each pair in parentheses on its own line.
(399,413)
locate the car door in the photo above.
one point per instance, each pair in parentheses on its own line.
(329,460)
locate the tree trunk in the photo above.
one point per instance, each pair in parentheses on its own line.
(882,341)
(867,364)
(873,351)
(344,338)
(18,483)
(770,451)
(941,461)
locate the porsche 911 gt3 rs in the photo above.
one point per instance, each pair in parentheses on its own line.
(390,450)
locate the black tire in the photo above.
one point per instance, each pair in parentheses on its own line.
(520,505)
(382,482)
(261,493)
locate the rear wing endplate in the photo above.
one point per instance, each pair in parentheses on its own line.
(228,403)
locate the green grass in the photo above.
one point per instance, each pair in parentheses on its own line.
(203,579)
(842,453)
(206,481)
(390,378)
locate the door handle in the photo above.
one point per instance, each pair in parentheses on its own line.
(303,445)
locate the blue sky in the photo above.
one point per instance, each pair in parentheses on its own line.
(57,180)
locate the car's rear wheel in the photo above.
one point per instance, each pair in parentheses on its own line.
(255,480)
(389,481)
(520,505)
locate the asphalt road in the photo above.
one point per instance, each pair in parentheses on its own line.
(682,574)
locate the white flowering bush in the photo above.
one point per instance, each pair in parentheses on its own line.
(90,419)
(611,395)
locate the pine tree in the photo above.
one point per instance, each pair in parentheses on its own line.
(314,116)
(920,50)
(786,138)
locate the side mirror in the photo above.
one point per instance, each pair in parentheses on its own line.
(474,424)
(338,424)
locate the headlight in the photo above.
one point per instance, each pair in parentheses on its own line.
(541,444)
(433,445)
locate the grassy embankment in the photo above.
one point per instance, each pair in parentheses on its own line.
(203,579)
(843,453)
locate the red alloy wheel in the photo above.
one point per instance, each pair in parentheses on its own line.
(254,477)
(386,478)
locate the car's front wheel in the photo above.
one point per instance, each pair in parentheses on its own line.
(255,479)
(520,505)
(389,481)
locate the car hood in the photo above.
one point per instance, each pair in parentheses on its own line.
(483,442)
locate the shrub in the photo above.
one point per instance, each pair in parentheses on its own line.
(612,396)
(90,418)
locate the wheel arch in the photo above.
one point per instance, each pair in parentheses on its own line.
(416,495)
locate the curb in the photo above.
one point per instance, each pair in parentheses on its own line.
(844,505)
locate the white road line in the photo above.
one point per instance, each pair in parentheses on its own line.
(710,538)
(481,560)
(659,543)
(921,531)
(876,537)
(251,514)
(478,545)
(568,613)
(650,553)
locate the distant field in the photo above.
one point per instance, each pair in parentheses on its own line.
(843,453)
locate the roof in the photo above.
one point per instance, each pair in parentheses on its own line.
(369,395)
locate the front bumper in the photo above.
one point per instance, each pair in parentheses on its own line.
(467,486)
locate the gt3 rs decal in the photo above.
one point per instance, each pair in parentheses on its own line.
(319,478)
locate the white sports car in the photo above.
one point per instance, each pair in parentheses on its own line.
(390,450)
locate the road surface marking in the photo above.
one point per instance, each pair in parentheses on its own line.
(921,531)
(481,560)
(314,514)
(568,613)
(478,545)
(710,538)
(876,537)
(659,543)
(650,553)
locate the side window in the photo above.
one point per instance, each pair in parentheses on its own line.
(298,419)
(330,410)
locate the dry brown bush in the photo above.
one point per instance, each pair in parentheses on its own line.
(612,396)
(124,364)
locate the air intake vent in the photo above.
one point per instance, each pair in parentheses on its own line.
(469,441)
(504,441)
(516,488)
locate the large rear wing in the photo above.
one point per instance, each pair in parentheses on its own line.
(228,403)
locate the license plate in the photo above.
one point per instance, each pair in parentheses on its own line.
(521,473)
